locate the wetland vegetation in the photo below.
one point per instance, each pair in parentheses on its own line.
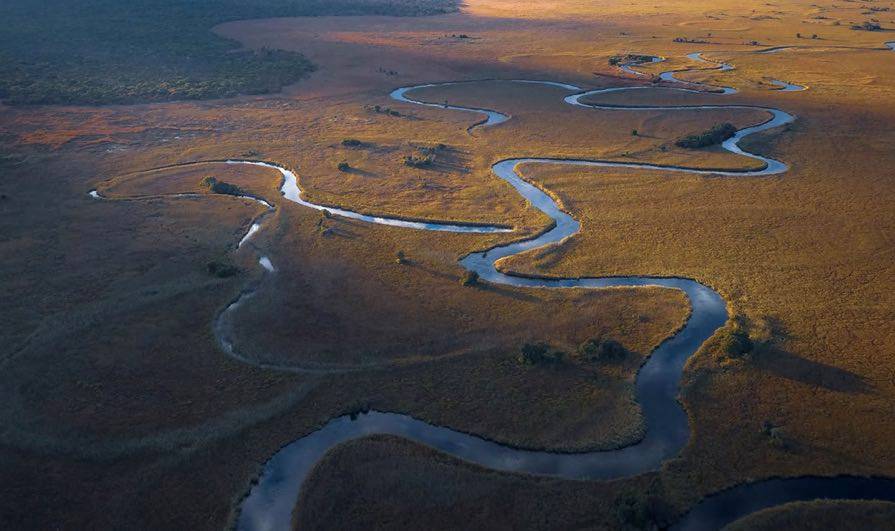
(109,51)
(151,358)
(710,137)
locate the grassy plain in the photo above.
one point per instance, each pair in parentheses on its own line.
(113,381)
(820,515)
(114,366)
(105,51)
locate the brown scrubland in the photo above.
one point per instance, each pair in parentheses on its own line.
(119,408)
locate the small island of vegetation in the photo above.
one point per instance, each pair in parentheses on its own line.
(221,187)
(717,134)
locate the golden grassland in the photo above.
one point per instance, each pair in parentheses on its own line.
(128,372)
(113,380)
(333,276)
(544,125)
(805,256)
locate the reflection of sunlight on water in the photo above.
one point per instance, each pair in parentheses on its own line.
(787,87)
(292,192)
(494,117)
(266,264)
(271,501)
(252,230)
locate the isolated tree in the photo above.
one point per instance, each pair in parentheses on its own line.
(539,353)
(642,510)
(737,343)
(602,350)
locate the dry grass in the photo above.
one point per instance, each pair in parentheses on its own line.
(121,362)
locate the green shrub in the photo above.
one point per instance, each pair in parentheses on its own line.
(221,270)
(351,142)
(616,60)
(602,350)
(221,187)
(539,354)
(325,215)
(776,436)
(691,41)
(357,409)
(415,161)
(425,156)
(736,343)
(344,166)
(470,278)
(642,510)
(715,135)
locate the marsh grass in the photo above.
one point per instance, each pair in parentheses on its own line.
(107,51)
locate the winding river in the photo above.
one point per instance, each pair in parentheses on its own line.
(270,502)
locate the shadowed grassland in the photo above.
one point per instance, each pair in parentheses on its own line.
(820,515)
(387,479)
(97,369)
(107,51)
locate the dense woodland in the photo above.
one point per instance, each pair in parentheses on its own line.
(113,51)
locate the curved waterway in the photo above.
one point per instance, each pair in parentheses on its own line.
(270,502)
(788,87)
(697,56)
(730,505)
(626,67)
